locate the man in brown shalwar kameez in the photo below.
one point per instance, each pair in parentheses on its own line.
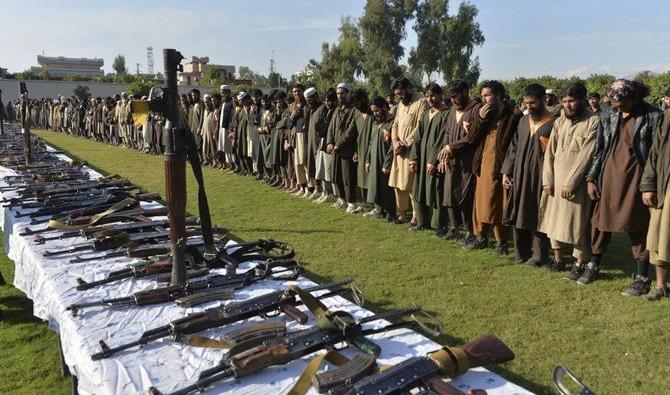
(456,161)
(655,188)
(624,145)
(492,131)
(522,176)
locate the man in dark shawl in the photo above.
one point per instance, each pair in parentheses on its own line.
(427,188)
(378,162)
(522,177)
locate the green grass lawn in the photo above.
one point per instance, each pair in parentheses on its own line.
(607,339)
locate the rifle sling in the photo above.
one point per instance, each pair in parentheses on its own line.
(452,361)
(303,383)
(59,225)
(203,206)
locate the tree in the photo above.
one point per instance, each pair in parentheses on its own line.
(340,62)
(44,75)
(27,75)
(245,73)
(119,65)
(460,35)
(599,83)
(275,80)
(429,25)
(141,86)
(74,77)
(383,29)
(215,75)
(123,78)
(83,93)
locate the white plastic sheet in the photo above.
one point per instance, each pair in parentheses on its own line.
(50,283)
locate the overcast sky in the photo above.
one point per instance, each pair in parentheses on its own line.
(523,37)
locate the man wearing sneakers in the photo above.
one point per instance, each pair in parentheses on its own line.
(623,147)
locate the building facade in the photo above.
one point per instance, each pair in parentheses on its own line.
(60,67)
(194,70)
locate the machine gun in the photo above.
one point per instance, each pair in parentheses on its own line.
(195,292)
(251,357)
(271,303)
(110,230)
(262,249)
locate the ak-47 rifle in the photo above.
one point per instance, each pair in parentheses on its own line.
(122,242)
(196,292)
(95,203)
(353,378)
(25,119)
(84,222)
(274,302)
(251,357)
(111,230)
(262,249)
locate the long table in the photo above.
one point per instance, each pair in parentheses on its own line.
(164,364)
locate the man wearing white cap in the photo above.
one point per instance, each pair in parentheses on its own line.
(552,101)
(342,144)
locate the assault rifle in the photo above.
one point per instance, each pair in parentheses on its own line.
(58,200)
(195,292)
(84,219)
(110,230)
(96,203)
(121,242)
(262,249)
(250,357)
(274,302)
(132,214)
(413,373)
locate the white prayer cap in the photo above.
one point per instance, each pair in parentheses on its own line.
(549,92)
(207,96)
(224,87)
(343,85)
(124,94)
(309,92)
(241,95)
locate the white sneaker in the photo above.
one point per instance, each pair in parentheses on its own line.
(370,213)
(351,208)
(357,209)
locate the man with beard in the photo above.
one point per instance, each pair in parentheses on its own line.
(427,189)
(594,104)
(456,161)
(242,130)
(565,208)
(297,126)
(624,144)
(552,101)
(253,125)
(314,114)
(522,177)
(279,130)
(342,144)
(492,131)
(362,124)
(207,130)
(408,113)
(224,149)
(195,117)
(324,161)
(655,188)
(378,162)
